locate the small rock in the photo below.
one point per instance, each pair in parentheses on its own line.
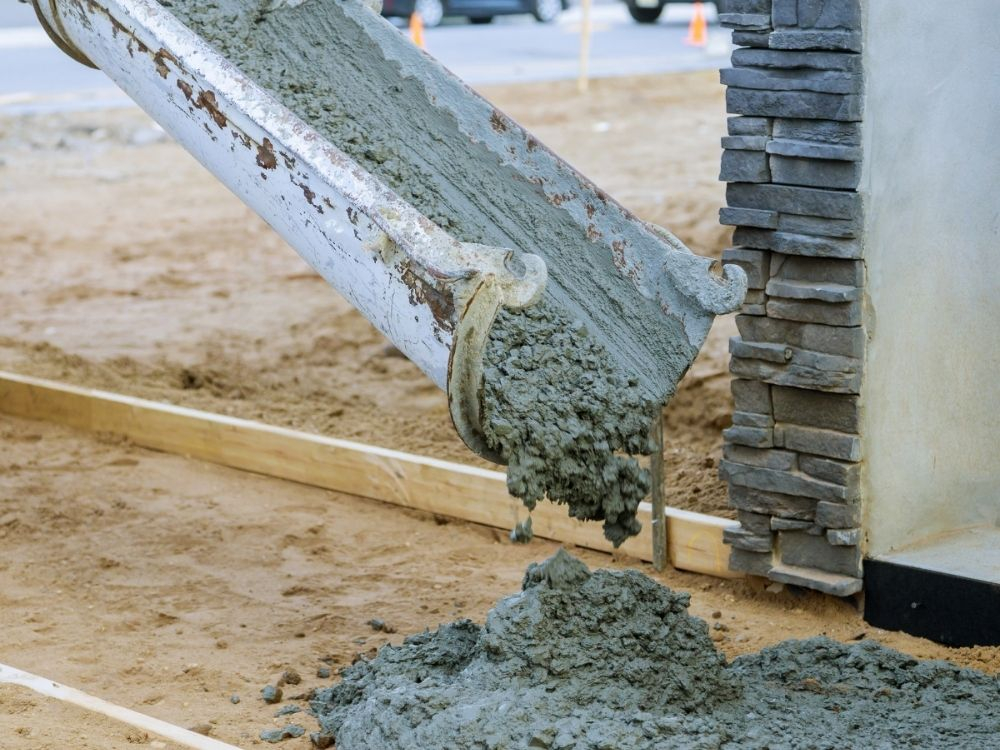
(234,699)
(287,710)
(285,733)
(323,673)
(321,740)
(290,677)
(716,615)
(202,728)
(379,625)
(775,588)
(271,694)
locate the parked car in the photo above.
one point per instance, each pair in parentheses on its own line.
(648,11)
(477,11)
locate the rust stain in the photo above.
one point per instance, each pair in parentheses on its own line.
(185,87)
(591,210)
(532,143)
(618,254)
(206,101)
(559,198)
(593,234)
(265,155)
(441,305)
(160,61)
(497,122)
(352,215)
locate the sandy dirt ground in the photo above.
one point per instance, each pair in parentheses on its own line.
(170,585)
(129,267)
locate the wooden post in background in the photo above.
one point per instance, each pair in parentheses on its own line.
(583,80)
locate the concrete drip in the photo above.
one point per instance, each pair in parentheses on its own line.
(561,409)
(610,659)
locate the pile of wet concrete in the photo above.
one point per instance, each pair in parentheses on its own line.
(612,660)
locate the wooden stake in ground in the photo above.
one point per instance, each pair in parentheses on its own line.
(583,80)
(659,520)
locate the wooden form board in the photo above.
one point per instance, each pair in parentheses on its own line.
(176,734)
(694,540)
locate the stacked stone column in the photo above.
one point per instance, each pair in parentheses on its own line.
(792,161)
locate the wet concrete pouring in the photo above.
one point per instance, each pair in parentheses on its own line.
(577,659)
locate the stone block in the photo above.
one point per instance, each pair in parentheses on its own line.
(820,442)
(846,342)
(745,21)
(789,524)
(817,226)
(800,549)
(744,539)
(784,12)
(843,537)
(753,309)
(756,263)
(814,290)
(748,217)
(801,104)
(846,272)
(819,81)
(838,472)
(824,173)
(847,62)
(828,411)
(797,244)
(783,482)
(751,38)
(778,353)
(751,396)
(808,311)
(849,41)
(804,201)
(745,166)
(768,459)
(754,437)
(813,149)
(752,563)
(822,131)
(748,126)
(803,368)
(829,14)
(772,503)
(749,419)
(745,142)
(831,515)
(755,523)
(819,580)
(743,6)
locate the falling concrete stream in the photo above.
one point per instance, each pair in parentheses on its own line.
(565,411)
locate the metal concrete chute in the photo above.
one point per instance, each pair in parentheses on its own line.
(511,220)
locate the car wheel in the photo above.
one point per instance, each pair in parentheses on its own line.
(481,19)
(546,11)
(645,15)
(431,12)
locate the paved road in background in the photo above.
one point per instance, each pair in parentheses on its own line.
(34,75)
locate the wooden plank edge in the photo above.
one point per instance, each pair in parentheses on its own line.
(187,738)
(429,484)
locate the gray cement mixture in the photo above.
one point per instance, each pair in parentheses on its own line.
(566,414)
(610,660)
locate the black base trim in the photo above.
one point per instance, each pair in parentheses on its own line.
(945,608)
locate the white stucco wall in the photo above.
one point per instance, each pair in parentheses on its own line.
(931,181)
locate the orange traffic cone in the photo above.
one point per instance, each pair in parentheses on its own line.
(698,30)
(417,29)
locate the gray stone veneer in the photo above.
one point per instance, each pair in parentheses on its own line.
(792,160)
